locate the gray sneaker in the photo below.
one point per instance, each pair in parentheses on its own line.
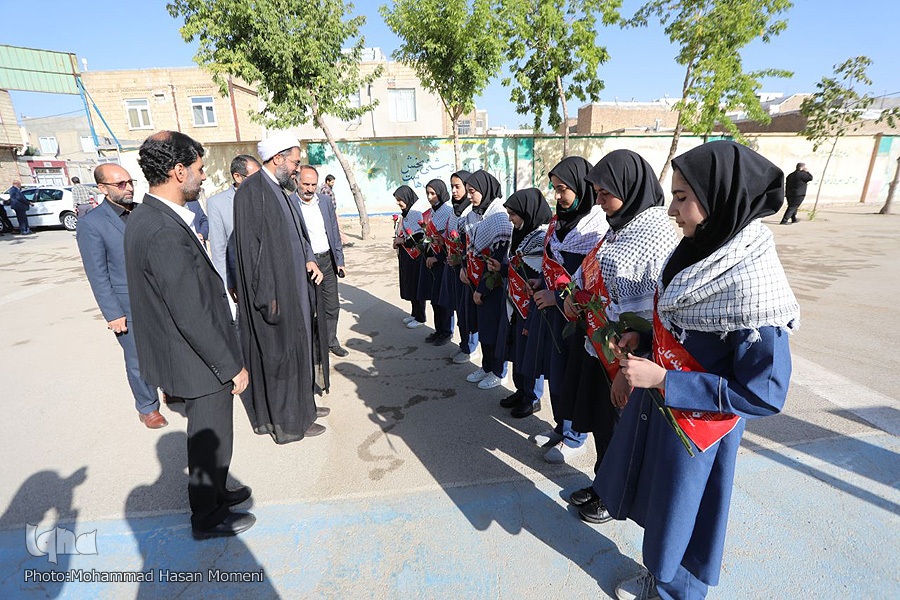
(461,358)
(547,438)
(642,587)
(561,453)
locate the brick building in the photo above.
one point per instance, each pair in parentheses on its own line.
(626,117)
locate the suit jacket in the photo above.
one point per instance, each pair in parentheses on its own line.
(101,242)
(201,222)
(183,329)
(329,217)
(220,210)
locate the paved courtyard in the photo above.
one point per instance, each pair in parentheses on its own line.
(423,487)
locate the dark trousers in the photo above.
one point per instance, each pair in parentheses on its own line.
(418,310)
(209,446)
(7,224)
(22,217)
(329,290)
(146,399)
(443,320)
(793,204)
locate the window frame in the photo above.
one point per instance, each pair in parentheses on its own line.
(200,102)
(146,108)
(394,94)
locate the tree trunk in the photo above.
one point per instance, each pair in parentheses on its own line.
(886,209)
(454,119)
(348,172)
(679,125)
(565,110)
(812,215)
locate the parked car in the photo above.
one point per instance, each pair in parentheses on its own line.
(53,206)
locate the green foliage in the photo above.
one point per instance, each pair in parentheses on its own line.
(554,55)
(710,35)
(454,46)
(837,105)
(290,49)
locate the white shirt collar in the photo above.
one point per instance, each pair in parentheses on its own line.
(186,214)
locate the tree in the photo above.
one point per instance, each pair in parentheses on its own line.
(837,107)
(292,51)
(710,35)
(454,46)
(553,55)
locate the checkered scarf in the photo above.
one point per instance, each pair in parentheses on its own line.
(532,249)
(442,216)
(493,230)
(414,215)
(741,285)
(583,237)
(632,258)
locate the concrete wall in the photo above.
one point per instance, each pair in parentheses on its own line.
(380,166)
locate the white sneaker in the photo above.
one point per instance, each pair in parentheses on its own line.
(414,324)
(561,453)
(547,438)
(461,358)
(490,381)
(476,376)
(408,318)
(642,587)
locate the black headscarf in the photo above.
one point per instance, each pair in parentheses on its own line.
(531,205)
(409,197)
(487,185)
(459,207)
(735,186)
(630,178)
(440,190)
(572,171)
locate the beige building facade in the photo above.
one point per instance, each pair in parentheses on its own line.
(626,117)
(136,103)
(10,141)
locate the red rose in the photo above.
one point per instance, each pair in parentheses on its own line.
(582,297)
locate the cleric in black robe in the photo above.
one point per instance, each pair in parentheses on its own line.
(282,348)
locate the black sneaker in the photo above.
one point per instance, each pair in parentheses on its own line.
(594,512)
(525,408)
(583,496)
(443,339)
(512,400)
(429,339)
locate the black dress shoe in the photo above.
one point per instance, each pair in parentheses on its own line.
(525,408)
(443,339)
(594,512)
(233,524)
(583,496)
(512,400)
(314,430)
(430,338)
(339,351)
(235,497)
(322,411)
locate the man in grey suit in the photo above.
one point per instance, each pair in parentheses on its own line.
(183,327)
(220,209)
(101,242)
(321,223)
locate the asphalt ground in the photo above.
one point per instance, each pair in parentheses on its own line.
(423,486)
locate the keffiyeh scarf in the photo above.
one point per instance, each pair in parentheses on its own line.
(583,237)
(493,229)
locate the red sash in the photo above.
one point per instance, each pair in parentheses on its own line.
(555,275)
(596,287)
(518,288)
(437,240)
(454,247)
(702,428)
(475,267)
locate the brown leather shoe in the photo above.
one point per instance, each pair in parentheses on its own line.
(153,420)
(314,430)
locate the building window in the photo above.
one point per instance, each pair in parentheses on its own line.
(203,111)
(49,145)
(479,126)
(87,144)
(354,101)
(402,105)
(465,126)
(138,114)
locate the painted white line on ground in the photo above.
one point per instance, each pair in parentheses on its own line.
(27,292)
(866,403)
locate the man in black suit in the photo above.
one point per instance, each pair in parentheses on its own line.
(101,242)
(183,327)
(321,224)
(795,192)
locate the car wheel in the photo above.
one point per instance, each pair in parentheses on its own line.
(68,220)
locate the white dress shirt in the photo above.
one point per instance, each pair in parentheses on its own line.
(315,225)
(186,214)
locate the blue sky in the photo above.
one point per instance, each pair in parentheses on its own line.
(131,34)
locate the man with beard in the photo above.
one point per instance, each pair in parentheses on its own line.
(101,242)
(183,327)
(280,332)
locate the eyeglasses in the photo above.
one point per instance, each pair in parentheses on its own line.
(119,184)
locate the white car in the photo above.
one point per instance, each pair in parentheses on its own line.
(53,206)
